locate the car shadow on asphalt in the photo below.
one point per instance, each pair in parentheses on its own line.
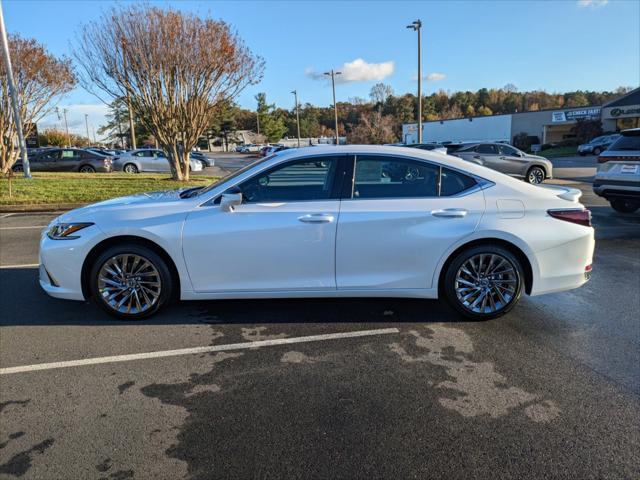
(24,303)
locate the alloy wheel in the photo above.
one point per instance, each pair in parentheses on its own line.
(486,283)
(129,284)
(535,176)
(130,168)
(87,169)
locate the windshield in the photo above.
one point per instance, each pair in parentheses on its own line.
(626,143)
(234,174)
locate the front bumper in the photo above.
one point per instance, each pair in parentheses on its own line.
(61,263)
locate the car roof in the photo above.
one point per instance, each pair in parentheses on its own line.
(631,132)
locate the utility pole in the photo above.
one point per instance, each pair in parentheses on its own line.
(295,93)
(120,130)
(86,123)
(417,26)
(333,74)
(258,121)
(14,98)
(66,126)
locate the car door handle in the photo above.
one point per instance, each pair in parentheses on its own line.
(450,213)
(316,218)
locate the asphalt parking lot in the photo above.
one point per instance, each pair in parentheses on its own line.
(349,388)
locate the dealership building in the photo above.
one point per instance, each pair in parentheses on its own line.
(548,125)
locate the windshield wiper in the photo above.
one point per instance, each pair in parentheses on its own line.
(190,192)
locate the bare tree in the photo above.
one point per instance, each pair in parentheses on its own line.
(41,79)
(380,92)
(174,66)
(374,128)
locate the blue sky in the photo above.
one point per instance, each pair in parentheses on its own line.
(552,45)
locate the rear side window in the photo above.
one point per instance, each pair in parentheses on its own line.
(452,182)
(390,177)
(487,148)
(626,143)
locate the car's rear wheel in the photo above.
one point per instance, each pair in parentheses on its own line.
(624,206)
(535,175)
(130,168)
(87,169)
(130,281)
(484,282)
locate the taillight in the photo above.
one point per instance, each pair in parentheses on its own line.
(581,217)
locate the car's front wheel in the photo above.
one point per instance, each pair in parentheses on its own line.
(130,281)
(484,282)
(624,206)
(597,151)
(535,175)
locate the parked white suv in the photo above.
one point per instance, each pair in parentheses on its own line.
(618,176)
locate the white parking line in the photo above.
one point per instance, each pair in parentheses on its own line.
(191,351)
(25,265)
(22,228)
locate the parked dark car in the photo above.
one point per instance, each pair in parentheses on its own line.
(202,158)
(597,145)
(67,160)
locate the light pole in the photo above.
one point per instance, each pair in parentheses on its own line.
(14,98)
(66,126)
(86,123)
(295,93)
(417,26)
(333,74)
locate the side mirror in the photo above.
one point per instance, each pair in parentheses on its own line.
(230,199)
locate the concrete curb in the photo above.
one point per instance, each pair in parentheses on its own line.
(44,207)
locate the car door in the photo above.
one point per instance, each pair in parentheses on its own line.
(281,238)
(46,161)
(69,160)
(402,216)
(488,155)
(512,161)
(160,161)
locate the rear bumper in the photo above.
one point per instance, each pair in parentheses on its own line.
(565,267)
(617,188)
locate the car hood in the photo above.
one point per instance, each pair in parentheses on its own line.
(141,205)
(535,157)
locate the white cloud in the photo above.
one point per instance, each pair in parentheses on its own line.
(431,77)
(592,3)
(75,118)
(357,71)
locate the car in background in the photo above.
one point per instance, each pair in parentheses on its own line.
(444,228)
(148,160)
(249,148)
(202,158)
(507,159)
(271,149)
(618,175)
(432,147)
(67,160)
(597,145)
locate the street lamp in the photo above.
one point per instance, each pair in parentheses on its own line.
(295,93)
(335,105)
(86,124)
(66,126)
(417,26)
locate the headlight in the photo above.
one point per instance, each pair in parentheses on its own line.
(65,231)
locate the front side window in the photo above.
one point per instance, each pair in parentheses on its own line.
(300,180)
(487,149)
(390,177)
(510,151)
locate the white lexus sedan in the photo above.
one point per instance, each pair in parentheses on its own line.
(352,221)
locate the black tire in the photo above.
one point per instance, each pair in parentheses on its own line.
(535,175)
(597,151)
(624,206)
(450,281)
(87,169)
(164,274)
(130,168)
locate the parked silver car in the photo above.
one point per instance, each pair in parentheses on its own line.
(597,145)
(618,176)
(507,159)
(148,160)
